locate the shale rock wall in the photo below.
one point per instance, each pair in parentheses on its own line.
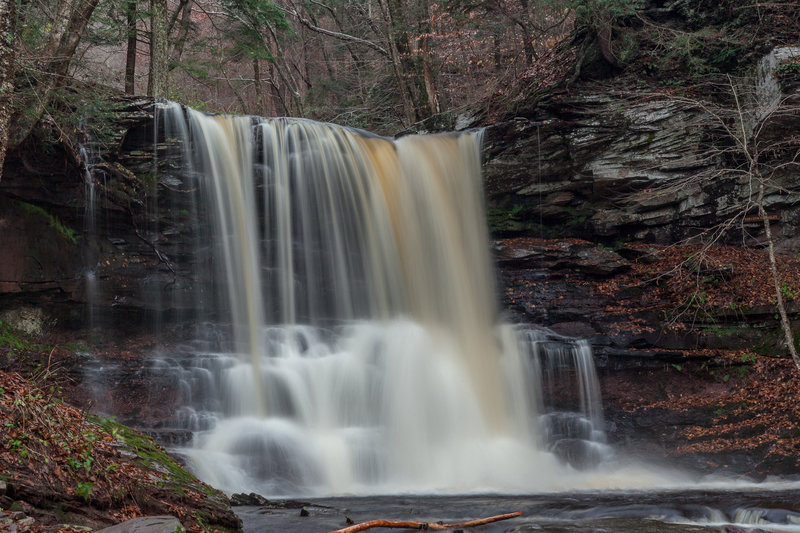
(92,235)
(644,164)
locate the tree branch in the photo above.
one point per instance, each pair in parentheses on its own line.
(436,526)
(337,35)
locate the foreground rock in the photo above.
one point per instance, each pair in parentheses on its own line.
(147,524)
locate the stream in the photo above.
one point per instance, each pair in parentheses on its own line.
(773,507)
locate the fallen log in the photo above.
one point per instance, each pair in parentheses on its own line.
(423,526)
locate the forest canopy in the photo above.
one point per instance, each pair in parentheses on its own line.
(382,65)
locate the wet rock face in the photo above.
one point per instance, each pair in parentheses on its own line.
(39,252)
(640,165)
(577,255)
(590,152)
(618,300)
(111,249)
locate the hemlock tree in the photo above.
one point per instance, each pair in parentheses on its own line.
(253,30)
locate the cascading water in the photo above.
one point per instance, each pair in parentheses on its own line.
(366,352)
(88,158)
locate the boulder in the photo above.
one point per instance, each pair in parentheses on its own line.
(147,524)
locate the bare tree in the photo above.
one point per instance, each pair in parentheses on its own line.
(761,174)
(757,161)
(7,53)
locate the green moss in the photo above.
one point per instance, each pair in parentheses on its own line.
(576,218)
(725,331)
(504,219)
(773,342)
(789,68)
(13,339)
(75,346)
(151,455)
(63,230)
(149,179)
(731,409)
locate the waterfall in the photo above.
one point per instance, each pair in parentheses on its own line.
(89,158)
(366,351)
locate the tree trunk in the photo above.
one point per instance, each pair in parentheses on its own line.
(57,30)
(430,80)
(159,50)
(527,39)
(773,268)
(182,8)
(59,64)
(183,30)
(427,70)
(130,58)
(8,22)
(274,97)
(31,109)
(409,112)
(284,72)
(259,110)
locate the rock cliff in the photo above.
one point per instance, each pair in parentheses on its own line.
(645,164)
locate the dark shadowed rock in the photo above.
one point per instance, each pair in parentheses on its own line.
(249,499)
(579,256)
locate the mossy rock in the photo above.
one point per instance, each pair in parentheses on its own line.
(180,487)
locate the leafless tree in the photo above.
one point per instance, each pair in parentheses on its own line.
(7,53)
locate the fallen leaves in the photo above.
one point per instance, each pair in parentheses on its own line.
(757,410)
(54,452)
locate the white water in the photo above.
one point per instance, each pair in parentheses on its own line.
(768,92)
(90,232)
(367,354)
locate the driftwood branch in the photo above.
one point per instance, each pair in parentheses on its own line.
(435,526)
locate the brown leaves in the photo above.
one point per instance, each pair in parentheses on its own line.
(756,408)
(725,277)
(51,450)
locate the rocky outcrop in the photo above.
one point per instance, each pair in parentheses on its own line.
(111,248)
(93,236)
(646,164)
(679,345)
(599,163)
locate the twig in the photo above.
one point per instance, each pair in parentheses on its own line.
(437,526)
(161,257)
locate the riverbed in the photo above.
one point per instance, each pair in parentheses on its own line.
(773,507)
